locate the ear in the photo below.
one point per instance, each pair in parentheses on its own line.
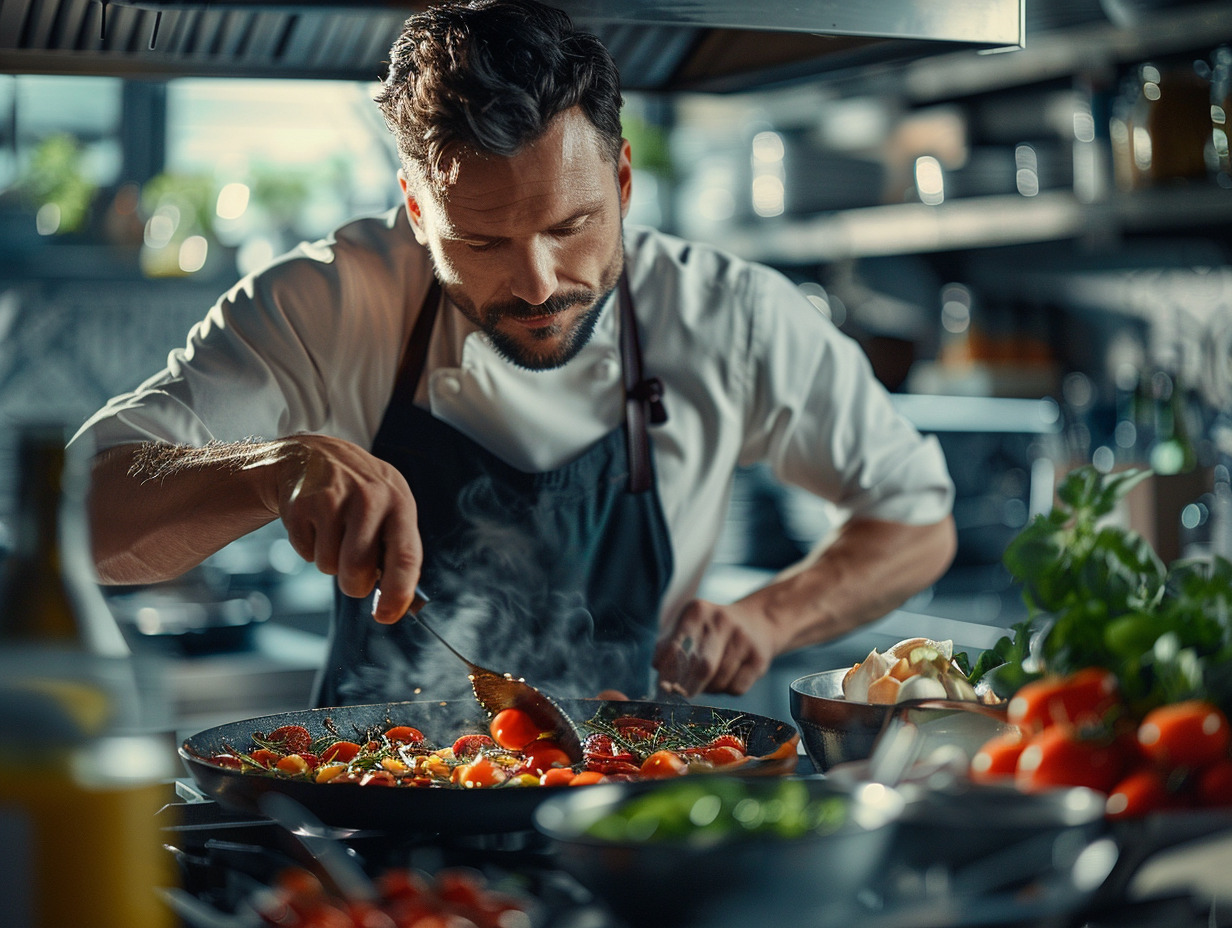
(413,211)
(624,176)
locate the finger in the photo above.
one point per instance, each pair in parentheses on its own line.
(731,662)
(359,555)
(400,567)
(327,542)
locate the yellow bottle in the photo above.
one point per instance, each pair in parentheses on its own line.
(80,781)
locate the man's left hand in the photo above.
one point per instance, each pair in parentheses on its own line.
(719,649)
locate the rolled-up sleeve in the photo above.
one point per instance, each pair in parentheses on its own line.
(823,422)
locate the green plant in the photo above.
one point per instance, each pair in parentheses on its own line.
(1099,596)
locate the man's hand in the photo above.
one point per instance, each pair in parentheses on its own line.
(352,515)
(160,510)
(719,649)
(868,569)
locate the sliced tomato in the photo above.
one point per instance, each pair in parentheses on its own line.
(587,778)
(630,726)
(543,755)
(662,764)
(289,739)
(1193,733)
(479,773)
(1080,699)
(404,734)
(1061,755)
(557,776)
(611,766)
(467,746)
(728,740)
(378,778)
(265,757)
(513,729)
(1141,792)
(340,752)
(599,745)
(998,757)
(724,755)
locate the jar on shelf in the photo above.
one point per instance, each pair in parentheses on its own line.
(1160,126)
(1219,159)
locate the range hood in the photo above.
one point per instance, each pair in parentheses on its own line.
(660,45)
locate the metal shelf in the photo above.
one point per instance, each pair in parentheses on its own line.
(978,222)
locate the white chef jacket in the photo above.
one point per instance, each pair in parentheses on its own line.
(752,372)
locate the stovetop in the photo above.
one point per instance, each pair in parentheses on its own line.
(224,858)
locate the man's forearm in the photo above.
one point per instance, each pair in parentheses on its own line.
(157,511)
(870,569)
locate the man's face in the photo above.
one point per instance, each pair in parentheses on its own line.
(528,247)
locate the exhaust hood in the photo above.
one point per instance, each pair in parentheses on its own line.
(660,45)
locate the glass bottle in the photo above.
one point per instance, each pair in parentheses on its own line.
(80,780)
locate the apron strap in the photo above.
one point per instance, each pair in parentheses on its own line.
(643,396)
(417,345)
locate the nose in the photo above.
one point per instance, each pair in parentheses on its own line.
(533,278)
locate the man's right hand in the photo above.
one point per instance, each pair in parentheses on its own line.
(352,515)
(160,510)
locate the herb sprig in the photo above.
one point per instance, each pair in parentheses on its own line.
(1098,595)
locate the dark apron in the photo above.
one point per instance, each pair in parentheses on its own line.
(555,576)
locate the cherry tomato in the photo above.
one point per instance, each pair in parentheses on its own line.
(513,729)
(340,752)
(587,778)
(1061,756)
(468,746)
(662,764)
(480,772)
(404,734)
(1082,698)
(543,755)
(1185,734)
(557,776)
(1214,784)
(631,726)
(290,739)
(998,757)
(1140,792)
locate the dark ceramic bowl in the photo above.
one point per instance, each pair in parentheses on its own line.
(731,880)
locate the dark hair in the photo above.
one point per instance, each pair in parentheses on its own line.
(490,75)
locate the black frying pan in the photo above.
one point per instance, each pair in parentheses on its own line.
(472,811)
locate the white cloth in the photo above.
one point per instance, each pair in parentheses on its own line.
(751,372)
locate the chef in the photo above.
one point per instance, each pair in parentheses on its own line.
(501,393)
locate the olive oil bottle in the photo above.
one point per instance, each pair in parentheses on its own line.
(80,779)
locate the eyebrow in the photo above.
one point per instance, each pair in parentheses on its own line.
(574,218)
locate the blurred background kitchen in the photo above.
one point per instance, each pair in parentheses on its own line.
(1033,246)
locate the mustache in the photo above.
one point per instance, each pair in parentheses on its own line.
(558,302)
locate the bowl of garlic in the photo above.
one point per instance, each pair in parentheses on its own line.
(841,712)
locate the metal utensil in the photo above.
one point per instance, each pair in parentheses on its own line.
(497,691)
(335,858)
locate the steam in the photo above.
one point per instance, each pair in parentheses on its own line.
(508,603)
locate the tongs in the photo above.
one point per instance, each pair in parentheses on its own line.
(497,691)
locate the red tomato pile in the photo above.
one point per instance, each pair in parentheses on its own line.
(515,753)
(1077,731)
(407,899)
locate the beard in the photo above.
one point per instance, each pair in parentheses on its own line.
(552,345)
